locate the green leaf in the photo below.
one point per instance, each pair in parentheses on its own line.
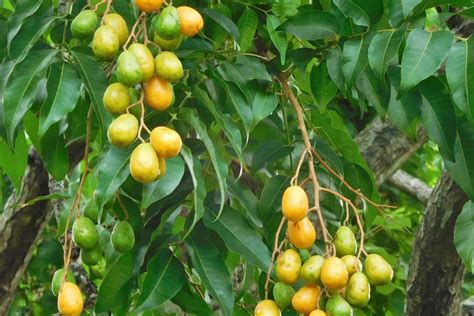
(157,190)
(226,23)
(14,163)
(263,105)
(278,38)
(64,89)
(285,7)
(464,235)
(355,57)
(354,11)
(191,303)
(322,87)
(239,102)
(268,152)
(312,25)
(398,10)
(334,63)
(165,277)
(247,26)
(423,55)
(244,197)
(383,48)
(270,199)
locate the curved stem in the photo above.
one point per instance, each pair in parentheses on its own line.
(274,253)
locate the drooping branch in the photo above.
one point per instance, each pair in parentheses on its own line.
(411,185)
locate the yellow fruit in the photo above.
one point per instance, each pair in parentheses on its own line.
(168,66)
(144,165)
(166,142)
(148,5)
(118,24)
(353,264)
(317,312)
(288,266)
(306,299)
(294,203)
(116,98)
(379,271)
(334,274)
(162,162)
(123,130)
(145,58)
(70,301)
(191,21)
(158,93)
(302,234)
(267,308)
(105,43)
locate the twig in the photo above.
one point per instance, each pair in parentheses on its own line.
(275,251)
(132,32)
(294,180)
(107,10)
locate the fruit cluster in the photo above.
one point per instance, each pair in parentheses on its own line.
(339,275)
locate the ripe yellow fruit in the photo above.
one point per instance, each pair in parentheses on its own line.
(118,24)
(267,308)
(378,270)
(191,21)
(123,130)
(294,203)
(334,274)
(148,5)
(144,164)
(116,98)
(302,234)
(166,142)
(158,94)
(317,312)
(353,264)
(105,43)
(306,299)
(162,162)
(70,301)
(145,58)
(288,266)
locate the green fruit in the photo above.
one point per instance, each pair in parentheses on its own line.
(169,45)
(105,43)
(135,110)
(129,69)
(352,264)
(337,306)
(168,25)
(378,271)
(123,237)
(123,130)
(311,269)
(168,66)
(145,58)
(118,24)
(57,279)
(282,294)
(84,24)
(84,233)
(358,290)
(345,242)
(100,269)
(304,254)
(116,98)
(91,210)
(91,256)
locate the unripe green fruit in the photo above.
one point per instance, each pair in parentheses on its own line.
(123,237)
(311,269)
(129,69)
(168,66)
(167,45)
(358,290)
(168,25)
(337,306)
(378,271)
(105,43)
(345,242)
(91,256)
(282,294)
(84,24)
(57,279)
(123,130)
(116,98)
(84,233)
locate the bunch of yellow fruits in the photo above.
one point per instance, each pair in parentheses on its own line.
(340,276)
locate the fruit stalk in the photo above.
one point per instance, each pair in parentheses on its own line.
(132,33)
(276,249)
(107,10)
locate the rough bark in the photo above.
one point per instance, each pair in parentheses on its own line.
(411,185)
(436,271)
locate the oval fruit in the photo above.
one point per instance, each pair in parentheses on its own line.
(144,165)
(288,266)
(105,43)
(158,93)
(353,264)
(317,312)
(58,278)
(118,24)
(337,306)
(145,58)
(345,242)
(294,203)
(302,234)
(267,308)
(282,294)
(166,142)
(123,130)
(306,299)
(84,233)
(358,290)
(116,98)
(91,256)
(123,237)
(311,269)
(168,66)
(129,69)
(378,271)
(84,24)
(191,21)
(70,301)
(148,5)
(169,45)
(168,25)
(334,274)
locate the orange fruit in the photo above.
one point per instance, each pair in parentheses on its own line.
(317,312)
(70,301)
(294,203)
(166,142)
(306,299)
(301,234)
(334,274)
(148,5)
(267,308)
(191,21)
(158,93)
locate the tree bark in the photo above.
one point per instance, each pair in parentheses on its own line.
(411,185)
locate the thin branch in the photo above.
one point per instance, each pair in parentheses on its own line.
(274,253)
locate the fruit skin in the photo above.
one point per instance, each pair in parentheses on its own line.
(166,142)
(288,266)
(70,301)
(129,69)
(58,278)
(84,233)
(105,43)
(352,264)
(345,242)
(145,58)
(169,45)
(282,294)
(191,21)
(116,98)
(91,256)
(337,306)
(168,66)
(317,312)
(84,24)
(168,25)
(123,237)
(378,271)
(144,165)
(358,290)
(306,299)
(267,308)
(294,203)
(148,5)
(162,162)
(311,269)
(118,24)
(302,234)
(123,130)
(158,93)
(334,274)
